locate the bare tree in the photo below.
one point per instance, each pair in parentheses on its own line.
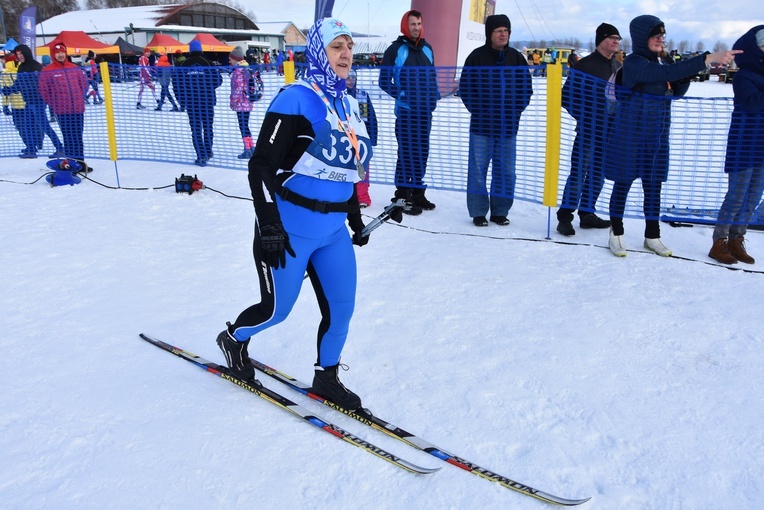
(684,45)
(700,46)
(45,9)
(720,46)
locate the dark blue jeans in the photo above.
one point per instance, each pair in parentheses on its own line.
(739,207)
(500,152)
(412,131)
(43,126)
(72,128)
(586,178)
(200,120)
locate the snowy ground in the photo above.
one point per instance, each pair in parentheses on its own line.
(635,381)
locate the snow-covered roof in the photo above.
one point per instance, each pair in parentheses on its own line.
(115,21)
(106,20)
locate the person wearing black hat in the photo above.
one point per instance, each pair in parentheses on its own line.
(583,96)
(496,87)
(639,144)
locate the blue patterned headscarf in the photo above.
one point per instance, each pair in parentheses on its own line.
(323,32)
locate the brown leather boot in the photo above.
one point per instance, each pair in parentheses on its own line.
(737,250)
(720,251)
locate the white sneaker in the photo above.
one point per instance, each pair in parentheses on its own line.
(616,245)
(655,245)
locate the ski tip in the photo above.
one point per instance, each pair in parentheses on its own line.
(563,501)
(421,470)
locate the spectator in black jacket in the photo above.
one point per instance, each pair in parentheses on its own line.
(496,87)
(194,83)
(583,96)
(34,121)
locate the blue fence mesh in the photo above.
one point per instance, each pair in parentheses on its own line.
(696,182)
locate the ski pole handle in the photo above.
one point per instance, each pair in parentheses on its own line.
(389,213)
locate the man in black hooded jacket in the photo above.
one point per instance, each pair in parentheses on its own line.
(34,122)
(496,87)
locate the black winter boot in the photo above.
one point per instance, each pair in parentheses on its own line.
(236,355)
(326,383)
(407,194)
(421,201)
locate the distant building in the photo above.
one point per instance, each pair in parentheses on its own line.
(294,39)
(138,25)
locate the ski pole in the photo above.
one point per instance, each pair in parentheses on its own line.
(394,212)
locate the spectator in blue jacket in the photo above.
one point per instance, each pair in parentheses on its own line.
(195,83)
(409,76)
(496,87)
(744,163)
(639,147)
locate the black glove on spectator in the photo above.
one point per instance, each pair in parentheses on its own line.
(274,242)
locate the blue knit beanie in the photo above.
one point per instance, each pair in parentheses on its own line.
(194,46)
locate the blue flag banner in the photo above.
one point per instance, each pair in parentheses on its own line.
(27,28)
(323,9)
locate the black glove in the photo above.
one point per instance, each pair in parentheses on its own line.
(357,226)
(359,239)
(274,242)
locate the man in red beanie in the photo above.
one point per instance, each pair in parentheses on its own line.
(63,85)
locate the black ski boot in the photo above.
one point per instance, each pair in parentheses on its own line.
(236,355)
(326,383)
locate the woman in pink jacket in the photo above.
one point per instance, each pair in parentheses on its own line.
(240,102)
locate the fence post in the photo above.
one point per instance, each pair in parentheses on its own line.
(553,128)
(288,72)
(111,131)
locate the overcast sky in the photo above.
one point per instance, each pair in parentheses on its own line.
(691,20)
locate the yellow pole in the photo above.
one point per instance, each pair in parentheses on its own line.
(553,127)
(111,132)
(288,72)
